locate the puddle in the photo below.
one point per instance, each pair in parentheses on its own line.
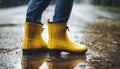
(102,35)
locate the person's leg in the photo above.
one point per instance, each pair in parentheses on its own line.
(35,10)
(33,40)
(62,10)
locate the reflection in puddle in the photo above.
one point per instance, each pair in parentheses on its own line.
(43,61)
(33,61)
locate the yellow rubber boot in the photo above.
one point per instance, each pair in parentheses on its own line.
(59,41)
(33,40)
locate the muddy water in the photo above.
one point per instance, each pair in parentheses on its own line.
(101,34)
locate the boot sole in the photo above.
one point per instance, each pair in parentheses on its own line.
(50,51)
(58,52)
(34,51)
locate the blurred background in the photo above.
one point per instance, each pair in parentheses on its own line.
(95,23)
(12,3)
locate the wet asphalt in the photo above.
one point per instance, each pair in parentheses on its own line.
(87,24)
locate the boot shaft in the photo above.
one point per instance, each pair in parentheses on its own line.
(57,30)
(32,30)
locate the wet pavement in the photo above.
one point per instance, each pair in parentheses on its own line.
(98,29)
